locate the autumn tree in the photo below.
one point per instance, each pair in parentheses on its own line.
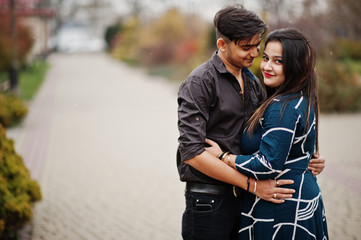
(15,35)
(24,42)
(344,18)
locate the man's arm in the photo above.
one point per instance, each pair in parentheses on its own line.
(213,167)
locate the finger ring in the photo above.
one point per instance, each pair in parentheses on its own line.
(275,195)
(277,183)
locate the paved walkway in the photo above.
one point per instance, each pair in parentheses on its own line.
(101,139)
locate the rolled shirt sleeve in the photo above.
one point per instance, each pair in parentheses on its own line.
(194,99)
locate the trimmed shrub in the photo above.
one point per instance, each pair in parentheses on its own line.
(344,48)
(12,110)
(339,87)
(18,192)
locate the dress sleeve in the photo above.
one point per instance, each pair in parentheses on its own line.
(278,132)
(194,99)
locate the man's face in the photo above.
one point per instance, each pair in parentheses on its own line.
(243,53)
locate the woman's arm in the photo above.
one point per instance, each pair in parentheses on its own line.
(213,167)
(278,132)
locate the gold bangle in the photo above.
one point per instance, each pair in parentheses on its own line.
(221,155)
(224,156)
(229,160)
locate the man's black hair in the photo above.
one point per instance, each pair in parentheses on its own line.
(237,23)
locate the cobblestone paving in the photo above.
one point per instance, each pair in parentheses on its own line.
(101,140)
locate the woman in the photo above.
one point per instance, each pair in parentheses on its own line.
(280,139)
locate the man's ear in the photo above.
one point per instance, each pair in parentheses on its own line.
(221,44)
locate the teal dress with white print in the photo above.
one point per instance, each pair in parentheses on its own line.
(281,148)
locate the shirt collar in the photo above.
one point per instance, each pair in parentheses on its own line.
(218,63)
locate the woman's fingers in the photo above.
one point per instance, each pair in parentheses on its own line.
(283,195)
(283,182)
(274,200)
(279,197)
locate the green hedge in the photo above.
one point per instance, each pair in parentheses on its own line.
(12,109)
(344,48)
(18,191)
(339,87)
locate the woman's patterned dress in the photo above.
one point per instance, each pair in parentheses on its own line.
(281,148)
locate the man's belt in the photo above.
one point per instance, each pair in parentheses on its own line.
(212,189)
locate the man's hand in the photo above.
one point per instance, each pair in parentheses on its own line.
(317,164)
(269,190)
(214,148)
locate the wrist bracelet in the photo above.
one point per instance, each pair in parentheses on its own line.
(221,156)
(224,156)
(229,160)
(248,184)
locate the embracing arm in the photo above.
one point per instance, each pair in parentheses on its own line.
(194,102)
(278,136)
(316,165)
(213,167)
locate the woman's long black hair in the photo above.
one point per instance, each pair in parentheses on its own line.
(299,59)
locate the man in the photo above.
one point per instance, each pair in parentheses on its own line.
(215,101)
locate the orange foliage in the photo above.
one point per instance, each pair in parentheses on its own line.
(24,42)
(172,39)
(185,50)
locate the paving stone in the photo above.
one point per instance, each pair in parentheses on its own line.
(101,140)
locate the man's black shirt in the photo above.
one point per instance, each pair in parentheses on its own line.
(211,105)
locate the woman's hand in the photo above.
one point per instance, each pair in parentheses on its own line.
(317,164)
(214,148)
(271,191)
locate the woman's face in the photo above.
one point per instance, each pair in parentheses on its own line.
(272,66)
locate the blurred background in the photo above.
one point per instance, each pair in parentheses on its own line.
(105,73)
(170,38)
